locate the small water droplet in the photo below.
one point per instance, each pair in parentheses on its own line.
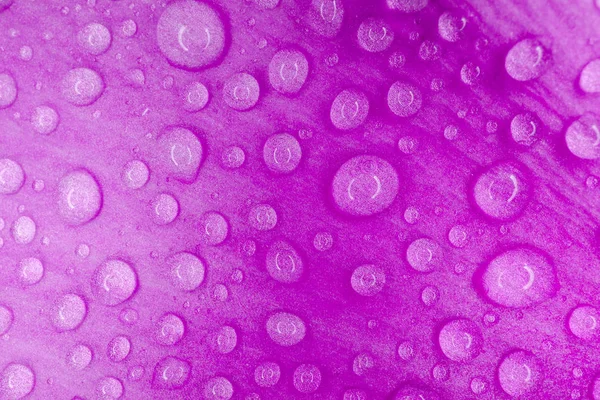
(591,182)
(411,215)
(490,318)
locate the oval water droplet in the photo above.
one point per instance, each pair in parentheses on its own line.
(286,329)
(114,282)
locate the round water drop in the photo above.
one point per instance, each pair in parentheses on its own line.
(527,60)
(79,357)
(267,4)
(479,385)
(68,312)
(135,174)
(262,217)
(397,60)
(410,392)
(241,91)
(118,348)
(45,120)
(406,351)
(282,153)
(136,373)
(218,388)
(368,280)
(82,86)
(362,364)
(520,373)
(165,209)
(129,316)
(169,329)
(114,282)
(521,277)
(525,128)
(283,262)
(181,153)
(286,329)
(411,215)
(470,73)
(349,109)
(451,26)
(589,80)
(584,322)
(128,28)
(364,186)
(323,241)
(267,374)
(190,34)
(404,99)
(429,51)
(583,136)
(407,6)
(375,35)
(233,157)
(23,230)
(226,339)
(16,381)
(6,319)
(213,228)
(502,191)
(12,176)
(354,394)
(8,90)
(424,255)
(220,292)
(94,38)
(430,295)
(307,378)
(171,373)
(30,271)
(79,197)
(288,71)
(195,97)
(186,271)
(460,340)
(440,372)
(109,388)
(326,17)
(458,236)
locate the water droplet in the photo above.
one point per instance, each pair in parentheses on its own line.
(165,209)
(220,292)
(583,136)
(406,351)
(527,60)
(430,295)
(237,276)
(407,144)
(129,316)
(94,38)
(8,90)
(479,385)
(109,388)
(375,35)
(181,153)
(589,79)
(135,174)
(38,185)
(267,374)
(169,329)
(411,215)
(285,329)
(583,322)
(262,217)
(12,175)
(186,271)
(397,60)
(458,236)
(128,28)
(368,280)
(451,132)
(288,71)
(218,388)
(171,373)
(520,277)
(68,312)
(429,51)
(241,91)
(349,109)
(118,348)
(424,255)
(307,378)
(520,373)
(16,381)
(79,197)
(282,153)
(461,340)
(407,6)
(326,17)
(365,185)
(213,228)
(441,372)
(323,241)
(6,319)
(136,373)
(26,53)
(114,282)
(226,339)
(404,99)
(23,230)
(283,262)
(451,26)
(577,372)
(82,86)
(30,271)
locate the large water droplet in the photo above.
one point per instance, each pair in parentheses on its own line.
(186,271)
(527,60)
(282,153)
(267,374)
(114,282)
(375,35)
(218,388)
(349,109)
(583,136)
(169,329)
(79,197)
(286,329)
(68,312)
(460,340)
(12,176)
(180,153)
(520,373)
(23,230)
(118,348)
(16,381)
(288,71)
(307,378)
(82,86)
(79,357)
(94,38)
(424,255)
(171,373)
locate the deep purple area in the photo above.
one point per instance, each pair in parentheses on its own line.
(299,199)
